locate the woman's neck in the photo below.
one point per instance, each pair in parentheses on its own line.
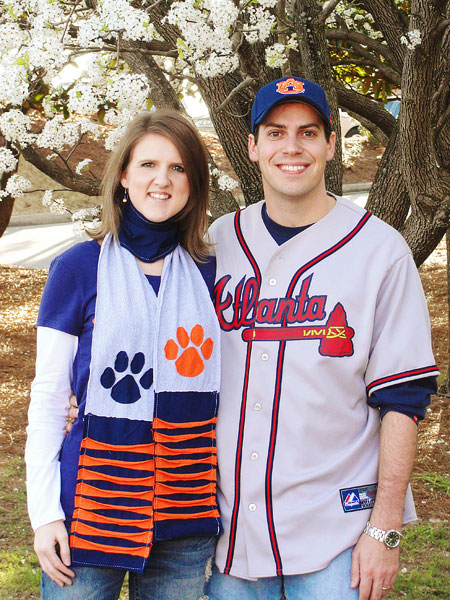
(153,268)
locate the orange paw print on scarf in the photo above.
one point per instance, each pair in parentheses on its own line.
(189,363)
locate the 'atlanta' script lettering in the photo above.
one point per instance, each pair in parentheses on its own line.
(247,308)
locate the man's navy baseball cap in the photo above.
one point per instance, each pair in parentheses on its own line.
(286,90)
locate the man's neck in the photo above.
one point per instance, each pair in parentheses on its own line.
(291,213)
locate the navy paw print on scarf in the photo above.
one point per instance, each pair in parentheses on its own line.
(126,390)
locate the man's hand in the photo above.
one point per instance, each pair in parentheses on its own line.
(45,540)
(374,568)
(73,413)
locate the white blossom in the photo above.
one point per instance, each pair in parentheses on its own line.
(113,138)
(205,26)
(14,84)
(224,181)
(8,162)
(15,126)
(276,55)
(16,186)
(127,91)
(83,99)
(11,36)
(56,205)
(84,217)
(57,134)
(412,39)
(260,24)
(83,165)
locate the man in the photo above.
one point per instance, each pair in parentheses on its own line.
(324,331)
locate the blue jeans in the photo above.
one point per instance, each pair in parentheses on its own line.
(175,570)
(332,583)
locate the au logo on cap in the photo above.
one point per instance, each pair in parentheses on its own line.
(290,86)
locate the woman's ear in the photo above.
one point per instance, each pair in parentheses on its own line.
(124,179)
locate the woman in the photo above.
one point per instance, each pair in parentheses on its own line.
(133,487)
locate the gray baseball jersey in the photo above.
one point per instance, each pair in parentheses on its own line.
(309,330)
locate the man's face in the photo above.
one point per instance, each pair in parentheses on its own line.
(292,153)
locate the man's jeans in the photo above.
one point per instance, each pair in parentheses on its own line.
(175,570)
(332,583)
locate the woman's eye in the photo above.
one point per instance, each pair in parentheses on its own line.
(148,164)
(178,168)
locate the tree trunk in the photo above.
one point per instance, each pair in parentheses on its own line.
(426,179)
(6,208)
(445,388)
(388,197)
(316,64)
(232,127)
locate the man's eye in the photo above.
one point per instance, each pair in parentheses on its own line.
(309,133)
(275,133)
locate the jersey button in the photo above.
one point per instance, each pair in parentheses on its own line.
(254,455)
(272,281)
(257,406)
(264,356)
(252,507)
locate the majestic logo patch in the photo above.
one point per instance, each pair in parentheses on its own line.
(248,312)
(290,86)
(358,498)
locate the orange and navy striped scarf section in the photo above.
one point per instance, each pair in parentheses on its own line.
(140,479)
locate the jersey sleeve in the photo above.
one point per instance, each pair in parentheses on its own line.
(410,398)
(401,341)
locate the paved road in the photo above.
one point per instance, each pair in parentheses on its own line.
(35,246)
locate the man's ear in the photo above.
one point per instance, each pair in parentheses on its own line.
(331,145)
(252,148)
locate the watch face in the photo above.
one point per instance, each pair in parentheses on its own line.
(392,538)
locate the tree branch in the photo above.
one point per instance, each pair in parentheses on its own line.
(360,38)
(68,20)
(327,10)
(248,81)
(73,181)
(367,108)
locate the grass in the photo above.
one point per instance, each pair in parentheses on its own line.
(425,559)
(435,481)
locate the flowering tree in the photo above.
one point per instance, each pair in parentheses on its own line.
(154,51)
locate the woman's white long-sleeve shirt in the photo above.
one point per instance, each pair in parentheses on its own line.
(50,393)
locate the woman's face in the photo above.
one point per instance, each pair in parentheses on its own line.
(157,183)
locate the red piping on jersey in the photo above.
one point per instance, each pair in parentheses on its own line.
(238,461)
(402,375)
(278,382)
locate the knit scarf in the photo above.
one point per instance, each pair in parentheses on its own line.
(147,464)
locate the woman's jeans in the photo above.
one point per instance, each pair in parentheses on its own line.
(175,570)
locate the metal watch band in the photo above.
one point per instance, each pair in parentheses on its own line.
(374,532)
(390,538)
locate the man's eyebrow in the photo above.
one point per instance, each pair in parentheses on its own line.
(279,126)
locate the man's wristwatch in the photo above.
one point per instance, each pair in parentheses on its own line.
(390,538)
